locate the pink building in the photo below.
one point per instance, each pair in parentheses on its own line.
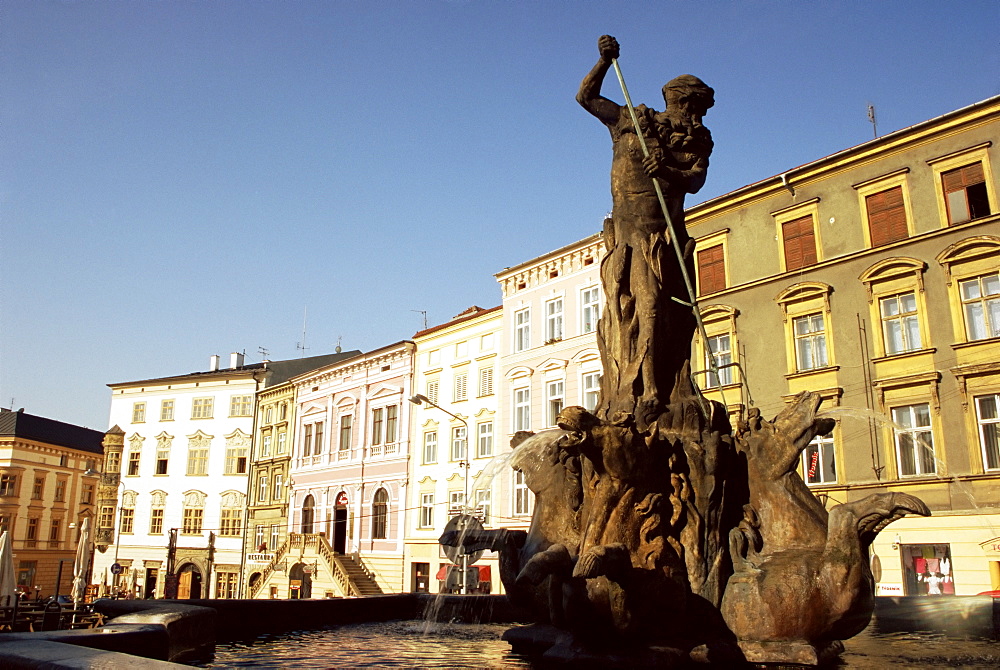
(349,462)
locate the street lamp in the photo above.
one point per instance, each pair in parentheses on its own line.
(420,399)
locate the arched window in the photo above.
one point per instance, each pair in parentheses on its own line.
(380,514)
(308,510)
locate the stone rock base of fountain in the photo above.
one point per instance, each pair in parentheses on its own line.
(558,647)
(790,652)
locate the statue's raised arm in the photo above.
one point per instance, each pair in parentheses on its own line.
(589,95)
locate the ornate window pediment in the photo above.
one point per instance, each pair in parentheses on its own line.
(237,439)
(233,500)
(518,371)
(159,498)
(889,269)
(200,440)
(194,499)
(970,249)
(804,292)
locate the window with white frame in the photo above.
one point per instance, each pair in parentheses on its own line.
(258,539)
(236,459)
(278,490)
(127,520)
(156,521)
(432,390)
(522,495)
(269,414)
(166,410)
(262,488)
(377,419)
(391,421)
(201,408)
(981,306)
(162,454)
(241,405)
(484,504)
(522,329)
(522,408)
(914,440)
(282,441)
(380,514)
(721,348)
(197,463)
(485,439)
(461,386)
(554,400)
(275,535)
(346,422)
(427,510)
(192,520)
(965,193)
(456,503)
(319,436)
(265,445)
(590,388)
(485,382)
(307,439)
(900,325)
(138,412)
(988,418)
(459,439)
(819,461)
(810,342)
(133,461)
(430,453)
(230,522)
(554,320)
(590,309)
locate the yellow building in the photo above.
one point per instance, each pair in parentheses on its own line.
(871,277)
(48,486)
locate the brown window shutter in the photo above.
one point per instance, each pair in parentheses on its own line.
(800,243)
(963,177)
(711,270)
(886,216)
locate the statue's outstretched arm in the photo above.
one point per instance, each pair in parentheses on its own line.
(589,96)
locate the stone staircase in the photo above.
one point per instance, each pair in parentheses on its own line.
(363,581)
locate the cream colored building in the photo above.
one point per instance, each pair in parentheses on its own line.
(457,368)
(871,277)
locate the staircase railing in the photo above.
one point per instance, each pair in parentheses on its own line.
(271,567)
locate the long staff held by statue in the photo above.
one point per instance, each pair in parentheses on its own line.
(693,304)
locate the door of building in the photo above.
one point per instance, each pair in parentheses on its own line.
(340,529)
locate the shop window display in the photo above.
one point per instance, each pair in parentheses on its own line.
(927,569)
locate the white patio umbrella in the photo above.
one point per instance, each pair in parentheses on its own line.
(8,581)
(83,551)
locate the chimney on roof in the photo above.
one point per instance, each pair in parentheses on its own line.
(213,363)
(235,360)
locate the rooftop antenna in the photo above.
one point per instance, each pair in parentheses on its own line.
(301,346)
(871,117)
(264,353)
(422,312)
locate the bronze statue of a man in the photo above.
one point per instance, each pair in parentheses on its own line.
(641,274)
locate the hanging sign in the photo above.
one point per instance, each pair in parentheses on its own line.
(342,498)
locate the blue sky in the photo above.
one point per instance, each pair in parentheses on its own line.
(179,179)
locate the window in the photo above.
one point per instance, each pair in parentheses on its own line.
(427,510)
(269,415)
(262,489)
(391,422)
(318,436)
(554,320)
(60,494)
(236,460)
(590,309)
(900,326)
(241,405)
(886,216)
(275,535)
(230,523)
(162,455)
(278,493)
(720,347)
(461,386)
(307,438)
(156,521)
(113,462)
(458,443)
(456,503)
(4,523)
(197,463)
(711,270)
(485,441)
(191,524)
(914,440)
(810,342)
(380,514)
(522,496)
(283,411)
(819,461)
(282,440)
(591,389)
(31,534)
(106,518)
(522,409)
(138,412)
(430,448)
(799,243)
(87,494)
(38,489)
(377,426)
(989,429)
(166,410)
(265,445)
(484,505)
(981,306)
(133,463)
(965,193)
(8,485)
(432,391)
(522,329)
(345,432)
(55,533)
(226,584)
(553,401)
(201,408)
(485,382)
(259,536)
(128,520)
